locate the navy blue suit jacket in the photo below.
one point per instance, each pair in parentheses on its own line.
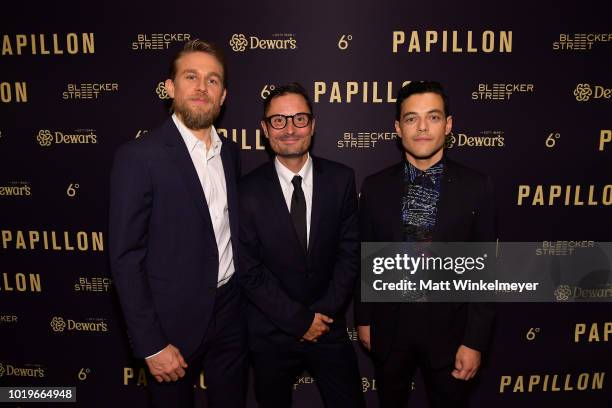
(164,256)
(285,285)
(466,213)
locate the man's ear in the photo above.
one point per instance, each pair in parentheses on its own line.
(265,128)
(169,85)
(398,130)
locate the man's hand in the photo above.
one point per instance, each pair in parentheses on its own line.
(364,336)
(168,365)
(467,362)
(318,327)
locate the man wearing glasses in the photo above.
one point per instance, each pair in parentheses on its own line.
(299,260)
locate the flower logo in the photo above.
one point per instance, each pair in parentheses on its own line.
(161,91)
(44,137)
(58,324)
(238,42)
(583,92)
(563,292)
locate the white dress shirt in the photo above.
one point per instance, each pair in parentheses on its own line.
(209,167)
(285,176)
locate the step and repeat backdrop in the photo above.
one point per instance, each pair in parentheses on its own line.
(531,97)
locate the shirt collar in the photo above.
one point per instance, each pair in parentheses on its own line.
(191,141)
(286,175)
(432,172)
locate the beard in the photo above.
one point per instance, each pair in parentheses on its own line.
(197,119)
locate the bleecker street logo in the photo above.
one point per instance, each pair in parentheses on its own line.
(563,292)
(363,140)
(501,91)
(58,324)
(583,92)
(2,369)
(44,138)
(580,41)
(238,42)
(158,41)
(89,90)
(161,91)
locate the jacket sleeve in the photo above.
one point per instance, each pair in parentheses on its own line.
(363,311)
(131,198)
(481,316)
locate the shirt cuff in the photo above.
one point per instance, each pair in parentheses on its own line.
(153,355)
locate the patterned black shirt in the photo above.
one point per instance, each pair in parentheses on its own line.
(420,201)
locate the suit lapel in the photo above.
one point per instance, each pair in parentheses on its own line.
(189,176)
(318,192)
(445,203)
(229,169)
(396,185)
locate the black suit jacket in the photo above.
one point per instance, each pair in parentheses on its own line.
(466,212)
(164,256)
(286,286)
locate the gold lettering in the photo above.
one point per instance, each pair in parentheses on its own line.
(6,45)
(6,237)
(469,42)
(414,42)
(505,41)
(576,197)
(488,41)
(68,247)
(71,43)
(456,48)
(56,49)
(431,37)
(82,242)
(398,38)
(538,197)
(20,244)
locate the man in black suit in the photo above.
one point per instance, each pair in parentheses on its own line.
(425,197)
(173,241)
(299,256)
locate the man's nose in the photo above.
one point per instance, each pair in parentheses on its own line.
(201,85)
(422,125)
(290,127)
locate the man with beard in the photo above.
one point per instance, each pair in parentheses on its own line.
(425,197)
(173,241)
(299,254)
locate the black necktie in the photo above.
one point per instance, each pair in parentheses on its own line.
(298,211)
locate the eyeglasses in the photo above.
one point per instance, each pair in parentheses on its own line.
(300,120)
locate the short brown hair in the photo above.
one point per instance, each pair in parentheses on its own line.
(198,45)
